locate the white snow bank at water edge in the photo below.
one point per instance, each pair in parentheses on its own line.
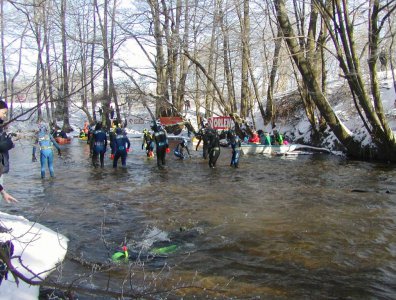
(40,250)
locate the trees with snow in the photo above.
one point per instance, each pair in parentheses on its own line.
(229,57)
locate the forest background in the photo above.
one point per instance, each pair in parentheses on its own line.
(226,57)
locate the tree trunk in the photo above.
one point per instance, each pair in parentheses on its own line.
(3,54)
(245,29)
(227,67)
(65,80)
(92,64)
(160,65)
(270,109)
(209,87)
(353,147)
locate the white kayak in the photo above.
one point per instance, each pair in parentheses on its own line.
(279,149)
(40,249)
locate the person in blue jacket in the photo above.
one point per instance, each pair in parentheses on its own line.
(161,143)
(45,142)
(121,147)
(98,145)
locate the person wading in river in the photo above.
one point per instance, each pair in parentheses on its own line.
(98,145)
(213,147)
(121,146)
(148,142)
(45,141)
(203,135)
(235,143)
(161,142)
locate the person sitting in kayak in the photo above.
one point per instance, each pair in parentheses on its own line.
(179,150)
(278,138)
(58,132)
(254,139)
(265,139)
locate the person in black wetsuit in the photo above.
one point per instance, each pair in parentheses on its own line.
(203,135)
(179,150)
(98,145)
(161,142)
(235,143)
(121,146)
(213,147)
(6,144)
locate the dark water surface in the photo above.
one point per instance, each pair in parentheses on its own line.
(316,226)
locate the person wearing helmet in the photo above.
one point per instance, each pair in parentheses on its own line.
(148,142)
(98,143)
(121,145)
(179,150)
(45,142)
(161,144)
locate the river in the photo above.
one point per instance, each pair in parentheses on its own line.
(314,226)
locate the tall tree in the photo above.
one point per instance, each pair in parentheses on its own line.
(245,32)
(65,78)
(343,40)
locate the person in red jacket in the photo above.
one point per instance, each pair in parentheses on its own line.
(255,139)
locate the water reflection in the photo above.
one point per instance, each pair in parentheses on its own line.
(315,226)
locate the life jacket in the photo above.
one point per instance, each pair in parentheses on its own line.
(148,138)
(44,141)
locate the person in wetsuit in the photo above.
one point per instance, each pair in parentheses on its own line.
(6,144)
(121,145)
(235,143)
(203,135)
(161,143)
(148,142)
(213,147)
(179,150)
(98,145)
(58,132)
(45,141)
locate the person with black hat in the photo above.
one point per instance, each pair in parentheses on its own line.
(5,145)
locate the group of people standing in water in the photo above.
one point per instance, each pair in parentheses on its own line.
(157,139)
(208,136)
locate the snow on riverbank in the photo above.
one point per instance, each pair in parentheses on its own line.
(40,249)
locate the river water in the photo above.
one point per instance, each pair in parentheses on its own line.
(314,226)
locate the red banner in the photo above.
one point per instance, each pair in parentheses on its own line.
(220,122)
(170,120)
